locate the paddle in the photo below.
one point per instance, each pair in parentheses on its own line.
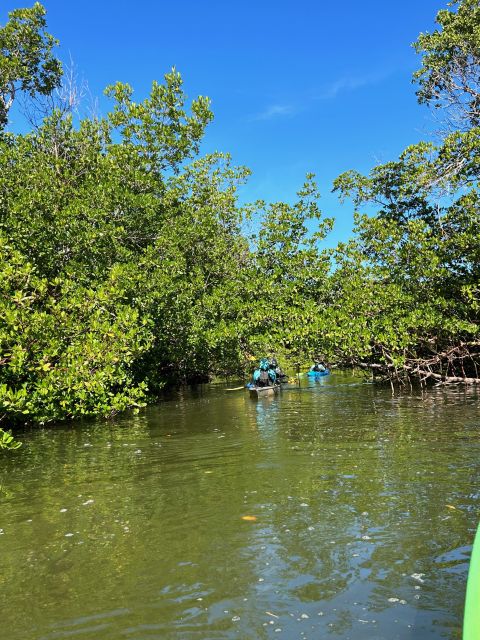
(236,388)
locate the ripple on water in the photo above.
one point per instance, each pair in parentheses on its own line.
(316,514)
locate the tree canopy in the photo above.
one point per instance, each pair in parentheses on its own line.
(421,245)
(27,63)
(126,265)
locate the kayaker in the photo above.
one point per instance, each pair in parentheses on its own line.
(279,374)
(319,367)
(264,376)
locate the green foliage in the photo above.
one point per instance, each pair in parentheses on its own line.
(418,258)
(448,78)
(7,441)
(125,263)
(137,264)
(65,350)
(158,130)
(27,63)
(411,278)
(286,282)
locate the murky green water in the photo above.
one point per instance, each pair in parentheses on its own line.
(365,510)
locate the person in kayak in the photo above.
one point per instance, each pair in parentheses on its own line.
(280,375)
(264,376)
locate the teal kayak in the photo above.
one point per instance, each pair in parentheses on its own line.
(318,374)
(471,617)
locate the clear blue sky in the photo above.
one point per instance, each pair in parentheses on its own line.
(295,86)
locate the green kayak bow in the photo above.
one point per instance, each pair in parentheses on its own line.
(471,618)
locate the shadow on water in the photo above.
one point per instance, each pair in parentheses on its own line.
(360,510)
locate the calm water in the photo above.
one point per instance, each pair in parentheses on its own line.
(365,508)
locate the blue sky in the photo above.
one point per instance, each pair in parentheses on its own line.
(295,86)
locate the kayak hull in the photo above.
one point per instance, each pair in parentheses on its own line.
(318,374)
(263,392)
(471,618)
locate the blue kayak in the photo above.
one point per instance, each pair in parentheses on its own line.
(318,374)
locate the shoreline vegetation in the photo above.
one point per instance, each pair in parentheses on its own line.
(125,267)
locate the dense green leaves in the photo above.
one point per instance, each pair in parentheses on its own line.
(65,350)
(138,272)
(7,441)
(27,63)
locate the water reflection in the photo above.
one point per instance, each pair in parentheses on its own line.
(266,416)
(363,507)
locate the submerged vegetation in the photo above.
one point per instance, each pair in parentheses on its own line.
(125,266)
(7,441)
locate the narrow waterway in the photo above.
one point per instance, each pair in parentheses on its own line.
(361,512)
